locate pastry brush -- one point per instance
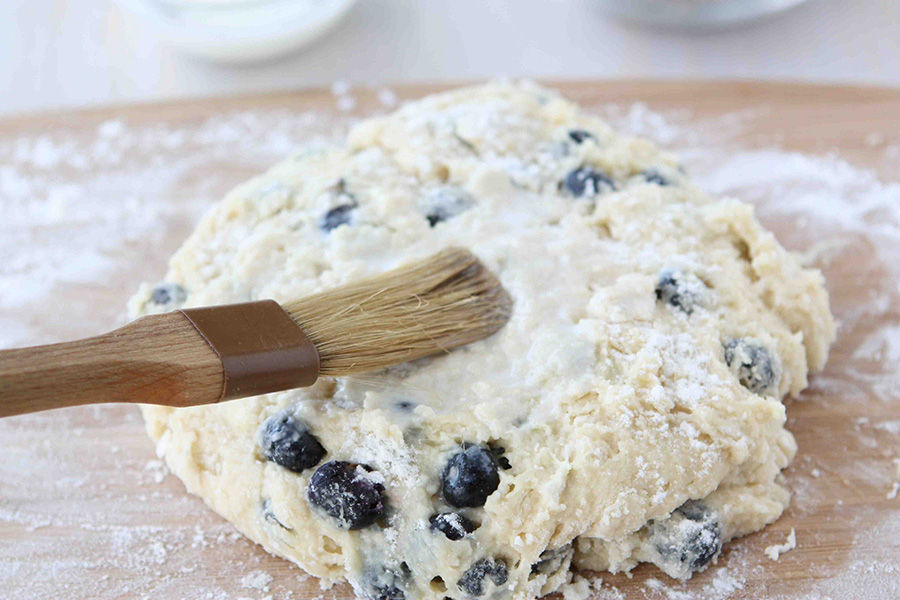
(198, 356)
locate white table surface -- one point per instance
(56, 53)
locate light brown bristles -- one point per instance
(425, 308)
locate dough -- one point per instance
(630, 410)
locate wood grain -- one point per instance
(95, 517)
(159, 359)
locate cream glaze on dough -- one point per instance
(631, 408)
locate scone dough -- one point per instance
(630, 410)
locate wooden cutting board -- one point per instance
(86, 510)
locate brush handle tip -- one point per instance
(184, 358)
(159, 359)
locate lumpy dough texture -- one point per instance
(629, 411)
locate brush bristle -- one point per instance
(425, 308)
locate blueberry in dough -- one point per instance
(445, 202)
(453, 525)
(165, 294)
(535, 388)
(470, 476)
(579, 135)
(502, 461)
(688, 539)
(551, 560)
(337, 216)
(587, 182)
(655, 177)
(473, 580)
(705, 543)
(387, 592)
(287, 441)
(681, 290)
(384, 583)
(695, 510)
(751, 363)
(343, 491)
(269, 515)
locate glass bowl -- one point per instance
(239, 31)
(695, 13)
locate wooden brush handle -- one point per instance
(184, 358)
(160, 359)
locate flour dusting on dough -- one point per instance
(632, 404)
(151, 163)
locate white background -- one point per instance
(85, 52)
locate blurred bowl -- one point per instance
(695, 13)
(239, 31)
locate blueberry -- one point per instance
(445, 202)
(387, 592)
(751, 363)
(579, 135)
(337, 216)
(695, 510)
(588, 182)
(453, 525)
(688, 539)
(383, 583)
(473, 580)
(405, 406)
(470, 476)
(681, 290)
(654, 176)
(343, 491)
(287, 441)
(552, 560)
(269, 515)
(168, 293)
(498, 452)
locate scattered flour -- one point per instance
(776, 550)
(723, 584)
(157, 470)
(344, 101)
(92, 208)
(892, 427)
(387, 98)
(87, 206)
(340, 88)
(257, 580)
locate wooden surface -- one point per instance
(86, 511)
